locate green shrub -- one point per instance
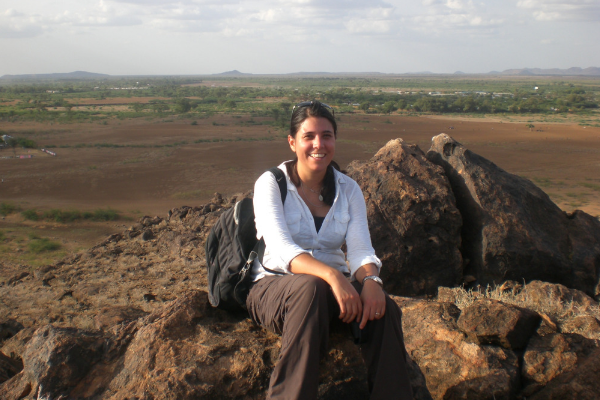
(105, 215)
(39, 245)
(31, 215)
(26, 143)
(7, 208)
(62, 215)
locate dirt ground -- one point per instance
(153, 171)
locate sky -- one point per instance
(188, 37)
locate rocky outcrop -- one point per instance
(511, 228)
(184, 350)
(414, 223)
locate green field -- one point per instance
(99, 101)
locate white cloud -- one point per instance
(447, 16)
(17, 25)
(275, 35)
(562, 10)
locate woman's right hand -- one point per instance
(347, 297)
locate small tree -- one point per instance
(365, 107)
(137, 107)
(389, 107)
(183, 105)
(530, 126)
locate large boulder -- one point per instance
(511, 228)
(584, 232)
(454, 367)
(414, 223)
(54, 362)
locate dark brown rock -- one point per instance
(495, 386)
(17, 278)
(584, 231)
(493, 322)
(414, 223)
(581, 383)
(9, 367)
(547, 357)
(454, 367)
(511, 228)
(57, 358)
(15, 346)
(9, 328)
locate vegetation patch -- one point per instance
(64, 216)
(8, 208)
(592, 186)
(553, 306)
(39, 245)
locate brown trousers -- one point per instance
(300, 309)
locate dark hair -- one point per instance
(300, 114)
(314, 109)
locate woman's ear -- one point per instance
(292, 143)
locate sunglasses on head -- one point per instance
(310, 103)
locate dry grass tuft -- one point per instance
(553, 306)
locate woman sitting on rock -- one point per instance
(306, 281)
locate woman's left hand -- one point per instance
(373, 301)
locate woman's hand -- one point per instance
(343, 291)
(373, 302)
(351, 307)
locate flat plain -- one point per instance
(149, 165)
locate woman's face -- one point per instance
(314, 145)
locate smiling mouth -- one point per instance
(317, 155)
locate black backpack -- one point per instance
(231, 249)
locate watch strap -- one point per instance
(372, 278)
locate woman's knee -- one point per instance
(309, 290)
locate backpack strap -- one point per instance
(282, 182)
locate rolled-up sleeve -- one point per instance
(358, 238)
(271, 223)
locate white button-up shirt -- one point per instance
(289, 229)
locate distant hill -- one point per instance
(235, 72)
(575, 71)
(67, 75)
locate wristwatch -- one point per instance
(372, 278)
